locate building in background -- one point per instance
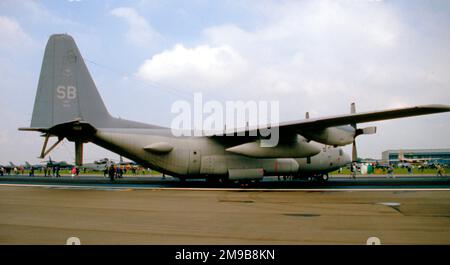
(428, 156)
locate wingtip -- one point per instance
(440, 107)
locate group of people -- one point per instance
(47, 171)
(5, 171)
(114, 171)
(15, 171)
(52, 171)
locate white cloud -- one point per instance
(306, 52)
(13, 35)
(194, 68)
(140, 32)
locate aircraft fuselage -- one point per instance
(199, 157)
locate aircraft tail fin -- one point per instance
(66, 91)
(67, 95)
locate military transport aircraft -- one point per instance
(68, 105)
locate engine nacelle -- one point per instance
(336, 136)
(299, 148)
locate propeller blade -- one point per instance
(353, 111)
(367, 130)
(354, 152)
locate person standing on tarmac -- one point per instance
(119, 172)
(111, 172)
(353, 169)
(57, 172)
(74, 171)
(440, 171)
(390, 171)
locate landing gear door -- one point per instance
(194, 162)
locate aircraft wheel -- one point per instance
(325, 177)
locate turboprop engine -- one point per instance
(340, 135)
(335, 136)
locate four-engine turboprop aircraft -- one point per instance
(68, 105)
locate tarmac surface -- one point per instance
(152, 210)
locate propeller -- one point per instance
(367, 130)
(354, 150)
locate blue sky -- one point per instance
(315, 56)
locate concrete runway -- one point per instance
(98, 213)
(157, 181)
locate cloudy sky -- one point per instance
(315, 56)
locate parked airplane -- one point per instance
(68, 105)
(98, 165)
(28, 166)
(61, 164)
(12, 165)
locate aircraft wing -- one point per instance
(325, 122)
(362, 117)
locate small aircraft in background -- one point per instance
(61, 164)
(28, 166)
(98, 165)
